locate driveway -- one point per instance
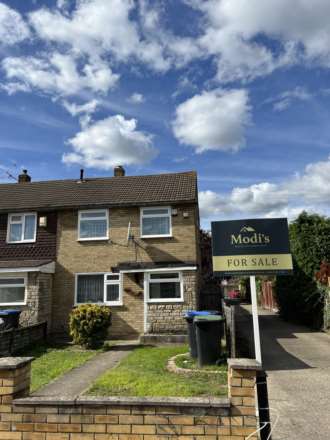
(297, 361)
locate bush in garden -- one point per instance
(89, 324)
(299, 296)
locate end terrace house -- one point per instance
(128, 242)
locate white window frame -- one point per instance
(23, 215)
(15, 275)
(105, 283)
(164, 280)
(143, 215)
(85, 211)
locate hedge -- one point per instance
(299, 297)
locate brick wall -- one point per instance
(100, 256)
(33, 418)
(168, 317)
(14, 340)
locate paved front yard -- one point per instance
(143, 373)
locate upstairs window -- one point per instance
(93, 225)
(165, 287)
(12, 290)
(98, 288)
(156, 222)
(22, 228)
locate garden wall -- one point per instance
(123, 418)
(14, 340)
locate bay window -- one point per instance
(156, 222)
(12, 289)
(93, 225)
(165, 287)
(22, 228)
(102, 288)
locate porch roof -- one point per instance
(47, 266)
(153, 266)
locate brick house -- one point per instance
(129, 242)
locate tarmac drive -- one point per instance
(297, 361)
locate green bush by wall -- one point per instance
(299, 297)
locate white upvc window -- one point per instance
(99, 288)
(13, 289)
(22, 227)
(165, 287)
(156, 222)
(93, 224)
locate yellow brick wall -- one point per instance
(100, 256)
(101, 419)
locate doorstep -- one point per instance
(163, 338)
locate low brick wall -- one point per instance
(115, 418)
(14, 340)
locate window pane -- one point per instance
(155, 211)
(15, 232)
(30, 223)
(93, 228)
(112, 277)
(164, 290)
(7, 281)
(12, 294)
(112, 292)
(90, 288)
(155, 225)
(16, 218)
(164, 275)
(90, 214)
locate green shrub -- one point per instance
(89, 324)
(299, 297)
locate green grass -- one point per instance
(52, 362)
(191, 364)
(143, 373)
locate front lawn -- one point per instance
(52, 362)
(143, 373)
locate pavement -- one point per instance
(297, 361)
(79, 380)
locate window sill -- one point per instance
(12, 304)
(157, 236)
(94, 239)
(109, 304)
(21, 242)
(169, 300)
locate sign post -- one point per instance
(251, 247)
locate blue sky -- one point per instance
(238, 91)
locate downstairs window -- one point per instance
(99, 288)
(12, 290)
(165, 287)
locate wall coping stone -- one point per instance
(124, 401)
(12, 363)
(244, 364)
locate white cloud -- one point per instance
(136, 98)
(239, 34)
(75, 109)
(310, 191)
(285, 99)
(214, 120)
(13, 29)
(109, 142)
(59, 74)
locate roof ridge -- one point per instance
(88, 179)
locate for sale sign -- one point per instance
(251, 247)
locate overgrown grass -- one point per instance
(143, 373)
(52, 362)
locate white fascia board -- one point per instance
(46, 268)
(162, 269)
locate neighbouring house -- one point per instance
(129, 242)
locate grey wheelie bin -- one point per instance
(209, 330)
(189, 317)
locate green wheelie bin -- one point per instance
(209, 330)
